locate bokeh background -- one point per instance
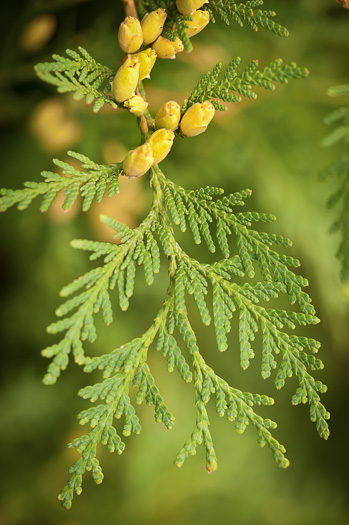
(272, 145)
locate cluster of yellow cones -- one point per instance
(137, 65)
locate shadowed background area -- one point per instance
(271, 145)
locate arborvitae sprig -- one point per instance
(136, 246)
(237, 406)
(240, 12)
(263, 273)
(79, 74)
(229, 297)
(122, 368)
(90, 184)
(340, 169)
(286, 354)
(210, 87)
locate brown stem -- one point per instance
(130, 8)
(144, 126)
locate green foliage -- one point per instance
(340, 169)
(250, 272)
(209, 87)
(205, 210)
(91, 184)
(127, 365)
(240, 12)
(79, 74)
(137, 246)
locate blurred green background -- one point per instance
(271, 145)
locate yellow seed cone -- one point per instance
(165, 48)
(138, 161)
(152, 25)
(161, 142)
(146, 62)
(187, 7)
(199, 22)
(168, 116)
(130, 35)
(196, 119)
(136, 105)
(126, 79)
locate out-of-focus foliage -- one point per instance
(339, 121)
(271, 146)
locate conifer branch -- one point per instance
(79, 74)
(240, 12)
(122, 368)
(230, 402)
(136, 246)
(264, 273)
(209, 87)
(285, 353)
(90, 184)
(192, 277)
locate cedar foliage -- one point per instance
(239, 285)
